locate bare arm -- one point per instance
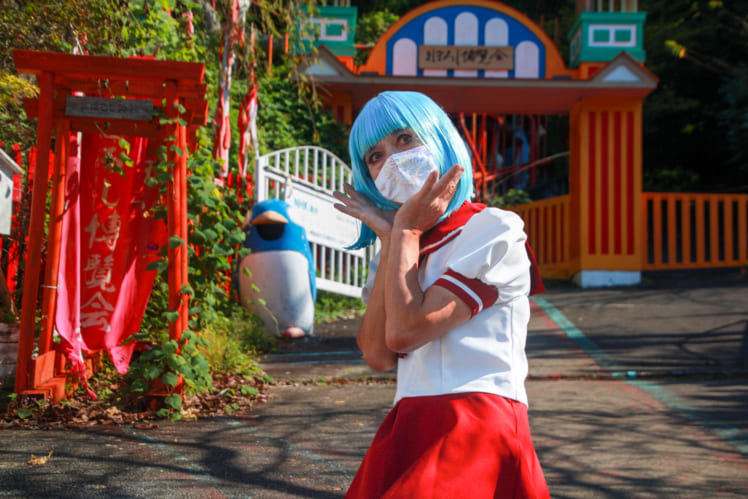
(415, 316)
(371, 333)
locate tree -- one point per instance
(181, 30)
(696, 121)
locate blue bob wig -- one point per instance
(395, 110)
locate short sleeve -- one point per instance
(488, 261)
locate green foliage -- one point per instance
(159, 28)
(230, 342)
(289, 114)
(695, 122)
(369, 27)
(163, 364)
(512, 197)
(330, 307)
(49, 26)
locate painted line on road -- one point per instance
(600, 357)
(728, 433)
(312, 354)
(297, 362)
(305, 358)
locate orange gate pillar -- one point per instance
(605, 184)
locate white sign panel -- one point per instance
(8, 168)
(323, 223)
(6, 204)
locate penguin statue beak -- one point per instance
(269, 217)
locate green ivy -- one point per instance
(163, 363)
(290, 114)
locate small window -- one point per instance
(335, 30)
(601, 36)
(622, 36)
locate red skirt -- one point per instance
(465, 445)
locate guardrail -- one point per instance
(686, 230)
(548, 225)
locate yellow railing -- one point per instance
(547, 223)
(684, 230)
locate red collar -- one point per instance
(449, 228)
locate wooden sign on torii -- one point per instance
(125, 97)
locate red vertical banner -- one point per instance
(231, 36)
(247, 122)
(109, 238)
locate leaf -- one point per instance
(175, 362)
(174, 401)
(153, 372)
(198, 236)
(24, 412)
(175, 242)
(170, 378)
(124, 144)
(158, 265)
(38, 461)
(210, 234)
(250, 391)
(171, 316)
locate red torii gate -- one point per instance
(177, 89)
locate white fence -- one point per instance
(306, 177)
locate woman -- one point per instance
(447, 303)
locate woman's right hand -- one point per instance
(424, 208)
(359, 206)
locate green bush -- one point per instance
(231, 344)
(512, 197)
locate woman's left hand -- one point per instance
(359, 206)
(421, 212)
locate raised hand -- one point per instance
(423, 209)
(359, 206)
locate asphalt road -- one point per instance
(634, 392)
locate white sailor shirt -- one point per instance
(479, 254)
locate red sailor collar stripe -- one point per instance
(449, 228)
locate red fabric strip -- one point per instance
(483, 295)
(449, 228)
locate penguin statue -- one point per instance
(279, 283)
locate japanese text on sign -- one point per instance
(465, 57)
(101, 107)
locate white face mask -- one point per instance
(404, 173)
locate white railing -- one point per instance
(306, 177)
